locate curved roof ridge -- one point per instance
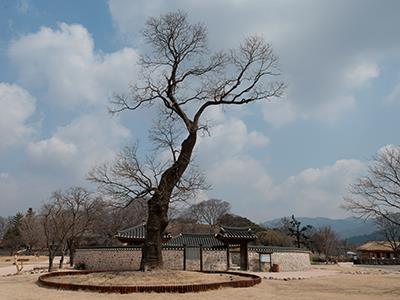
(235, 228)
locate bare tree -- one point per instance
(51, 217)
(326, 241)
(31, 231)
(300, 233)
(208, 211)
(182, 78)
(109, 219)
(391, 231)
(274, 237)
(80, 206)
(65, 219)
(377, 195)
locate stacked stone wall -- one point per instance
(287, 261)
(127, 258)
(173, 259)
(214, 260)
(117, 259)
(291, 261)
(110, 259)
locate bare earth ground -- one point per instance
(337, 282)
(9, 260)
(7, 267)
(141, 278)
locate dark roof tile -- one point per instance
(195, 240)
(236, 234)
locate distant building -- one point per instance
(228, 249)
(376, 250)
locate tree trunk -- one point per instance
(158, 205)
(51, 258)
(157, 221)
(71, 250)
(62, 259)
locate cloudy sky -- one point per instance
(60, 62)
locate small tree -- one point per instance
(3, 226)
(274, 237)
(299, 233)
(208, 211)
(391, 231)
(31, 231)
(326, 241)
(109, 219)
(377, 195)
(65, 219)
(232, 220)
(12, 235)
(183, 80)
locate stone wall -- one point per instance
(173, 259)
(110, 259)
(214, 260)
(128, 258)
(287, 261)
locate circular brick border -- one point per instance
(250, 280)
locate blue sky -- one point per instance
(61, 61)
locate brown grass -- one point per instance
(9, 260)
(353, 283)
(144, 278)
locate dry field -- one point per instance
(9, 260)
(141, 278)
(347, 283)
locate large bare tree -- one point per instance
(182, 78)
(377, 195)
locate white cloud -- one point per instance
(241, 181)
(52, 147)
(17, 105)
(394, 95)
(229, 138)
(333, 110)
(4, 175)
(316, 191)
(280, 112)
(324, 62)
(78, 146)
(23, 7)
(63, 65)
(313, 192)
(361, 73)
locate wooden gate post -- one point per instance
(184, 257)
(201, 257)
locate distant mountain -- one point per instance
(362, 239)
(345, 228)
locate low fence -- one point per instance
(193, 258)
(174, 258)
(379, 261)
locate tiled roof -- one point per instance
(236, 234)
(135, 233)
(375, 246)
(195, 240)
(272, 249)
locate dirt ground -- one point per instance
(345, 283)
(144, 278)
(9, 260)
